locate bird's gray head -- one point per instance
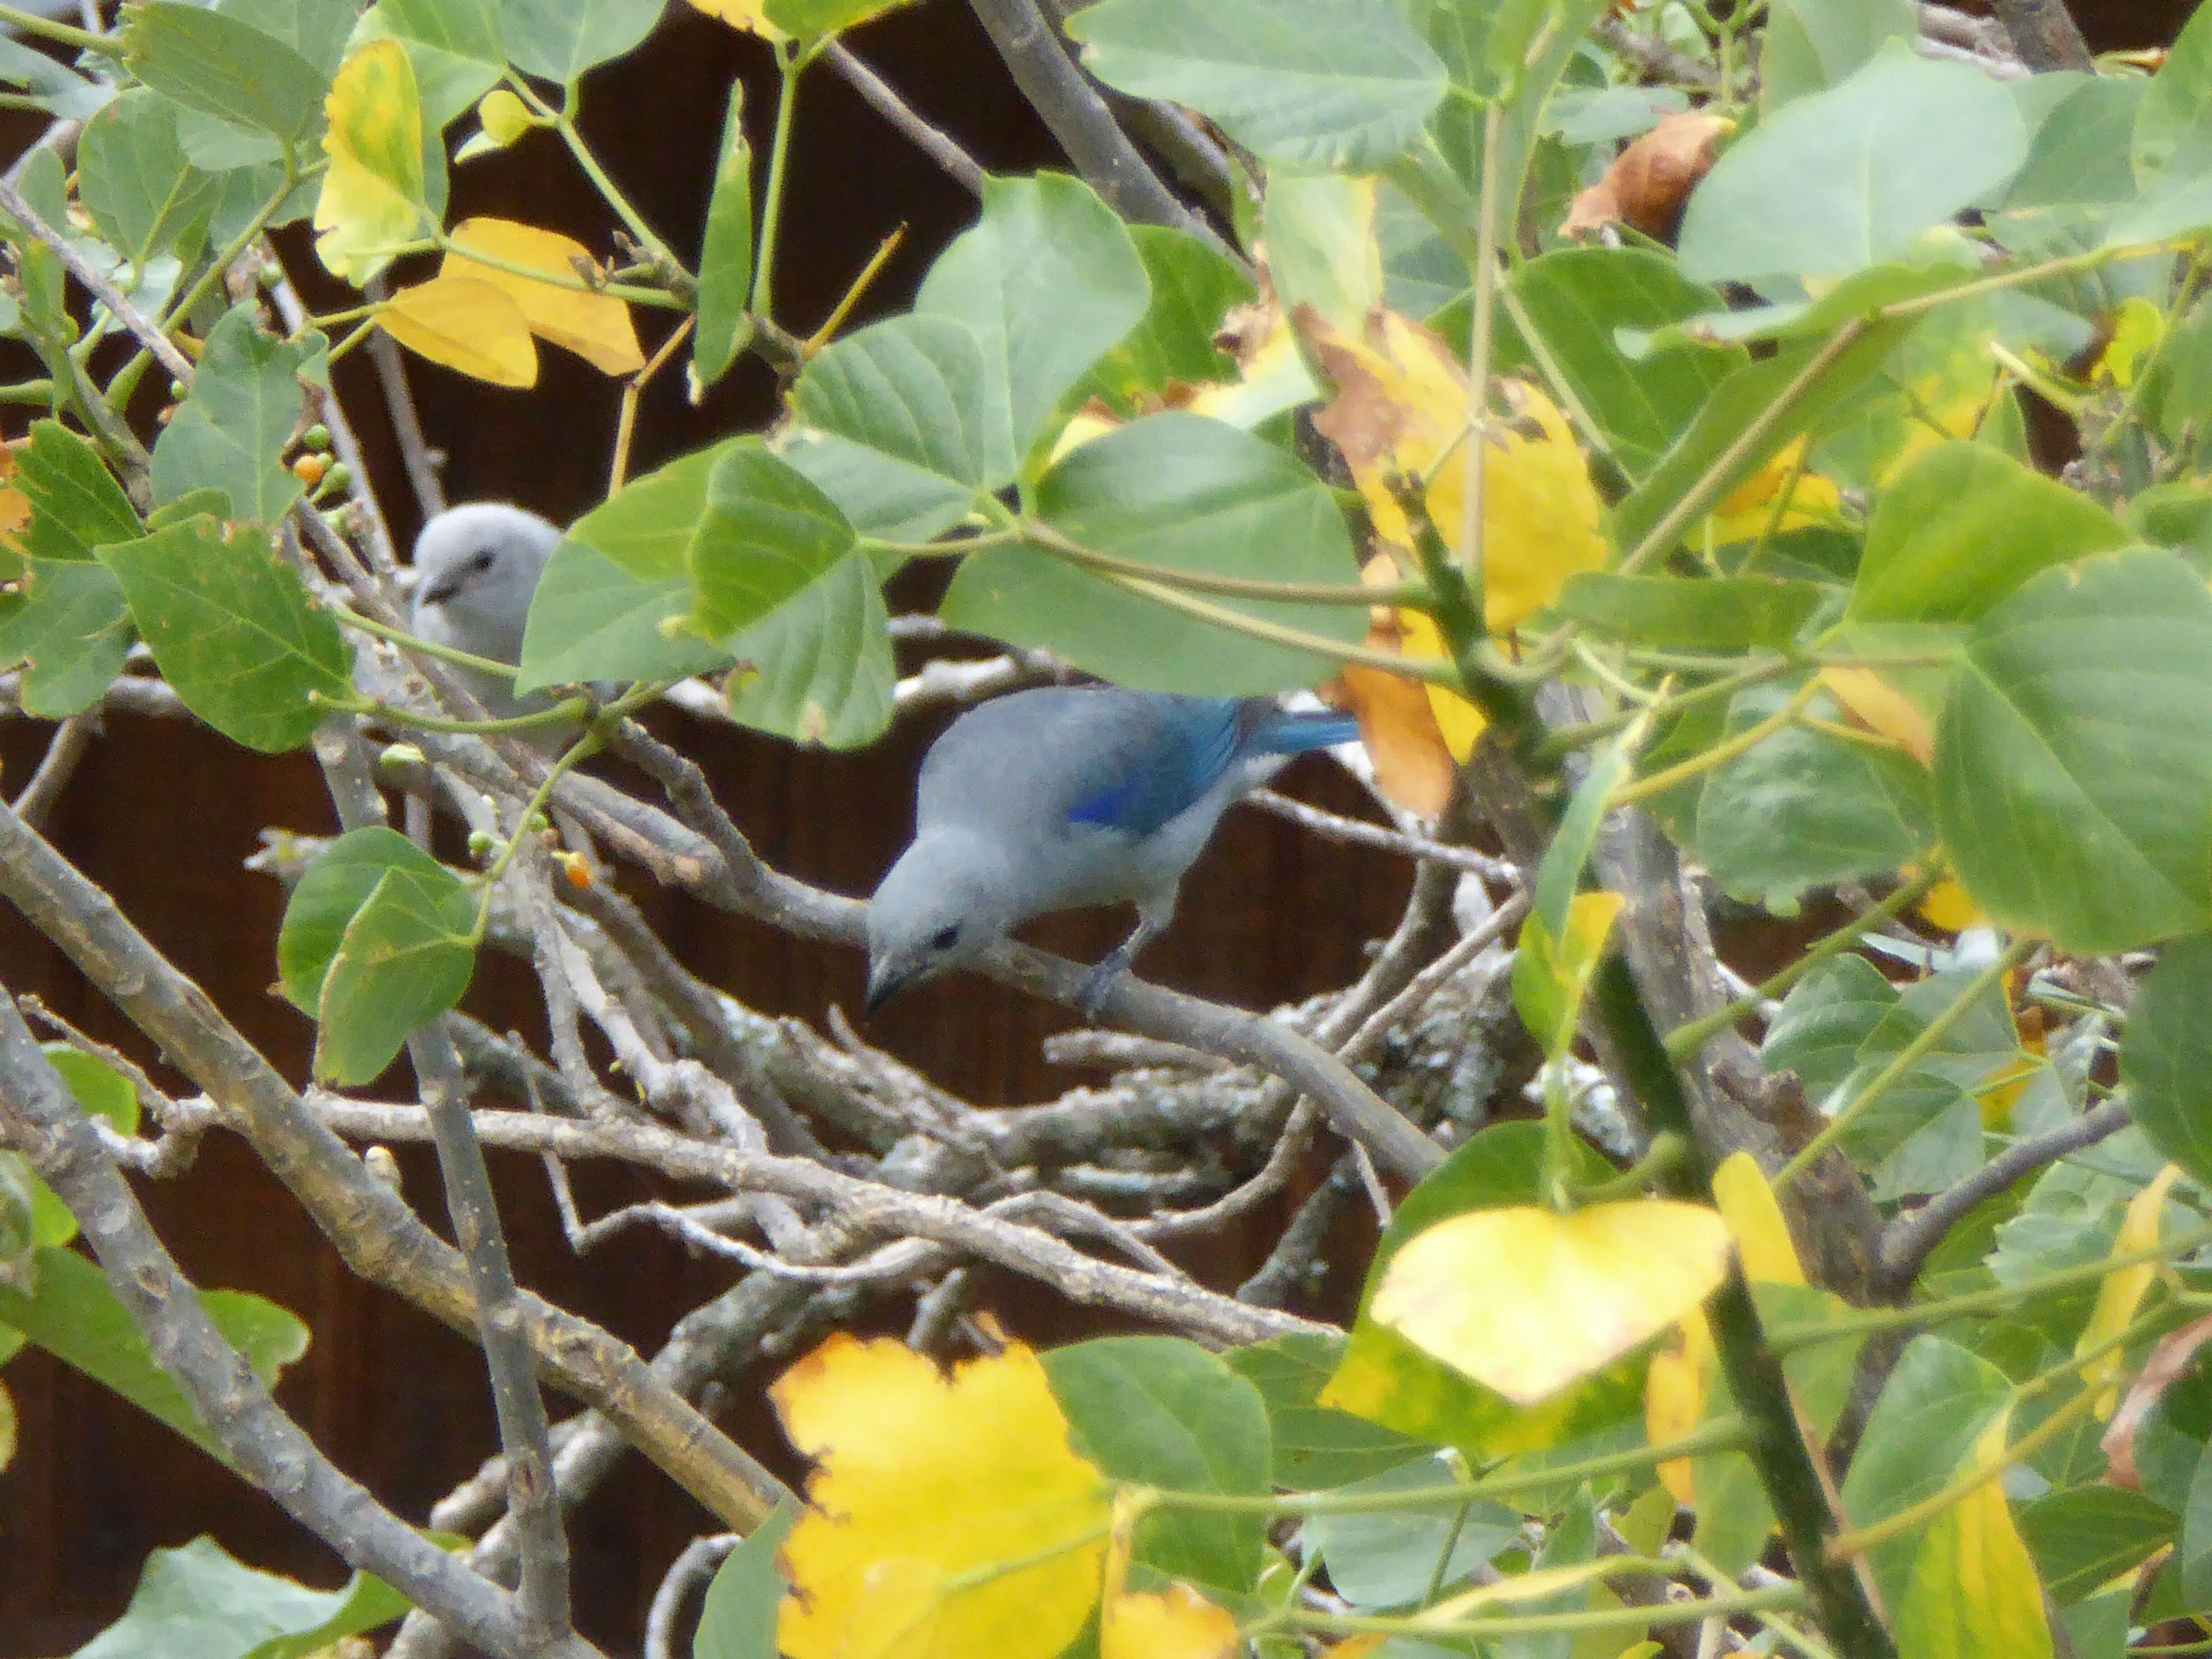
(944, 903)
(477, 567)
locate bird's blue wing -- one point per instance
(1189, 743)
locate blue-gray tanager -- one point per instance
(476, 568)
(1063, 798)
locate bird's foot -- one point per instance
(1098, 984)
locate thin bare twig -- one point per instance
(882, 97)
(684, 1578)
(1335, 826)
(71, 740)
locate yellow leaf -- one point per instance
(372, 194)
(2135, 327)
(1676, 1389)
(1459, 721)
(926, 1486)
(1179, 1624)
(466, 324)
(1949, 908)
(1397, 726)
(2123, 1290)
(597, 327)
(1402, 402)
(749, 16)
(504, 117)
(1359, 1647)
(1883, 710)
(1974, 1593)
(1525, 1301)
(7, 1426)
(1754, 1215)
(1744, 513)
(1093, 420)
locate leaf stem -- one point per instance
(843, 308)
(506, 671)
(1685, 1040)
(626, 418)
(62, 35)
(1485, 276)
(572, 709)
(1722, 1435)
(1428, 672)
(787, 71)
(1048, 540)
(1720, 754)
(659, 297)
(564, 121)
(1782, 1598)
(1904, 1060)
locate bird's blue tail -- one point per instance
(1286, 733)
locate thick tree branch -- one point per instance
(236, 1408)
(2044, 34)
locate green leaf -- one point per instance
(1804, 809)
(1922, 1433)
(562, 39)
(1322, 252)
(74, 1315)
(405, 958)
(907, 396)
(1314, 1448)
(1733, 405)
(230, 432)
(1164, 1412)
(223, 66)
(1825, 1018)
(1578, 300)
(231, 629)
(1339, 84)
(454, 45)
(316, 29)
(197, 1602)
(70, 623)
(590, 619)
(1811, 44)
(1047, 280)
(810, 20)
(1183, 493)
(1962, 527)
(737, 1619)
(133, 180)
(1844, 179)
(1194, 286)
(2079, 155)
(75, 503)
(726, 253)
(58, 90)
(98, 1091)
(1387, 1558)
(2084, 1538)
(333, 890)
(820, 669)
(880, 496)
(2173, 123)
(765, 534)
(1714, 613)
(2074, 757)
(2167, 1057)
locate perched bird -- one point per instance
(476, 568)
(1063, 798)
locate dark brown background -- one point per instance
(162, 815)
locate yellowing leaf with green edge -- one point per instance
(466, 324)
(1754, 1215)
(1400, 403)
(372, 194)
(1746, 513)
(1973, 1593)
(748, 16)
(597, 327)
(1676, 1390)
(2135, 329)
(1551, 975)
(947, 1515)
(1505, 1592)
(2122, 1291)
(1459, 722)
(1180, 1623)
(504, 117)
(1525, 1301)
(1882, 709)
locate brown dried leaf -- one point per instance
(1412, 766)
(2173, 1355)
(1649, 182)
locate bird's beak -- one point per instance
(884, 982)
(441, 590)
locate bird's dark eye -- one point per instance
(944, 939)
(482, 561)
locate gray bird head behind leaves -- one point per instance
(475, 569)
(1063, 798)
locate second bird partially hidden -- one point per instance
(1063, 798)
